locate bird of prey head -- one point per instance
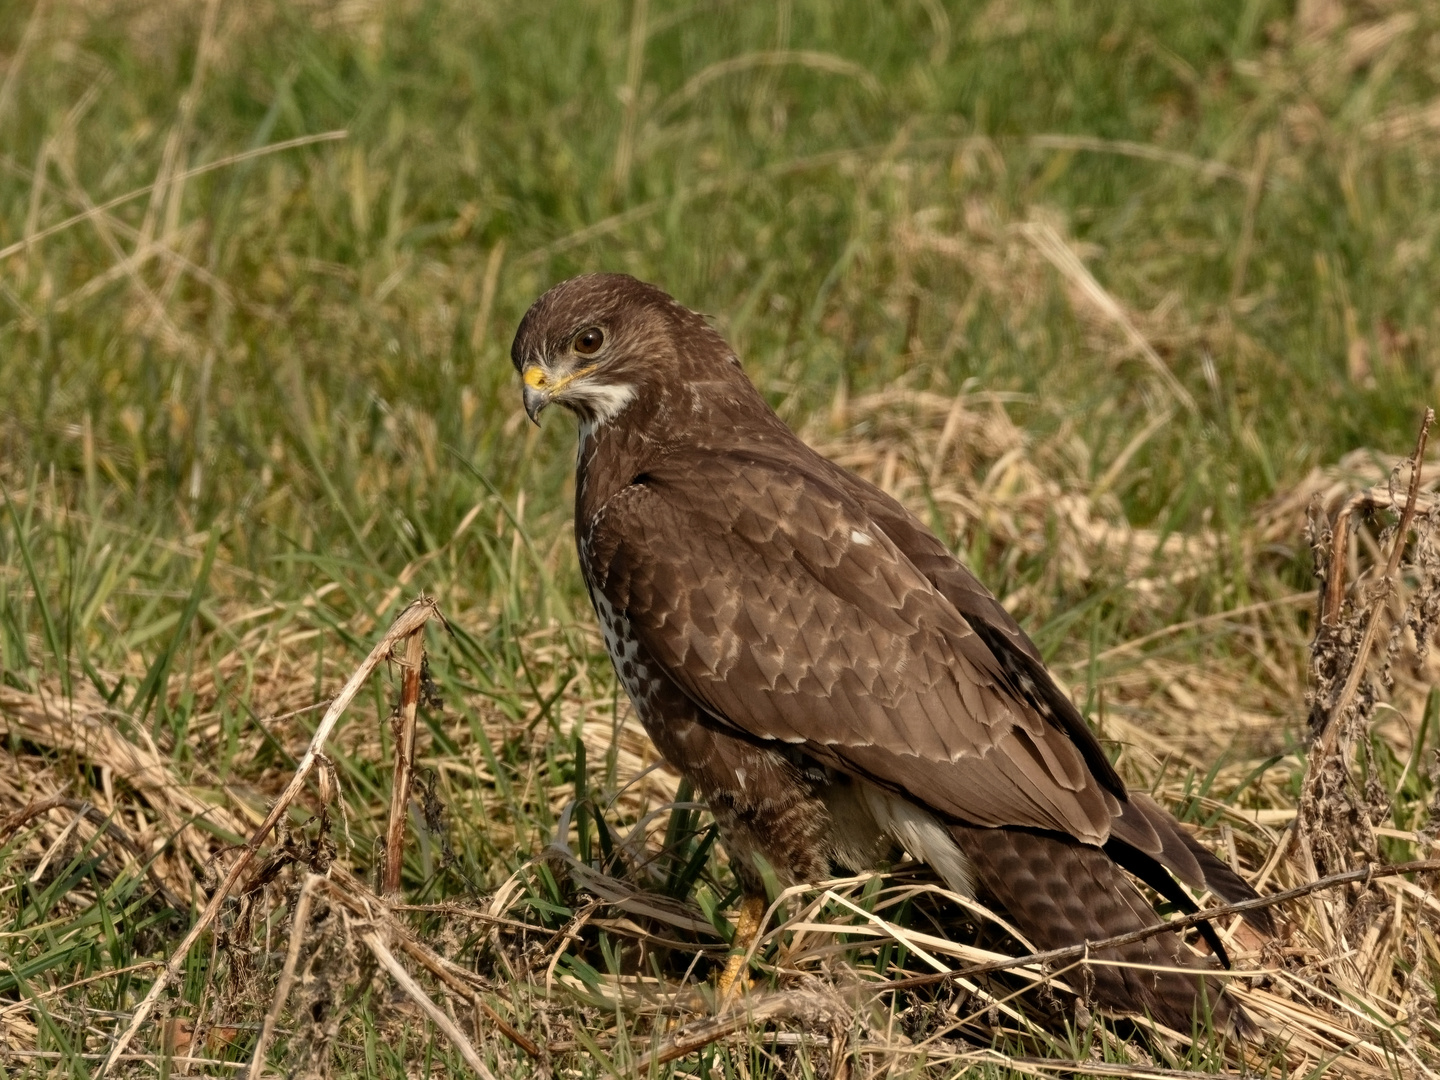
(590, 345)
(598, 342)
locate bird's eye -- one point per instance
(588, 342)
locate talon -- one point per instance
(747, 929)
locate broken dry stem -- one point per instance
(354, 896)
(404, 729)
(287, 975)
(791, 1004)
(376, 943)
(412, 619)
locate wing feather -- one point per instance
(744, 580)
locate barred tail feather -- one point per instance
(1060, 892)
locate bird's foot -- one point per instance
(733, 981)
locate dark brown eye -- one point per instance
(588, 342)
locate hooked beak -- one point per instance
(541, 389)
(535, 394)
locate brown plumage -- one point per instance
(830, 678)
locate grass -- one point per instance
(1106, 292)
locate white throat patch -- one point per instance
(605, 401)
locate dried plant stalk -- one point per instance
(350, 892)
(1335, 823)
(1335, 586)
(403, 725)
(287, 976)
(816, 1008)
(408, 622)
(417, 994)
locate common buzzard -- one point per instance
(832, 681)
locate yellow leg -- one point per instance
(747, 927)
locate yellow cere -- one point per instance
(536, 379)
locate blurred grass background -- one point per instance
(262, 397)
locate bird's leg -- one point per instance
(747, 928)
